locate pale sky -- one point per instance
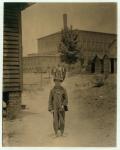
(43, 19)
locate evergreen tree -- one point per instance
(68, 48)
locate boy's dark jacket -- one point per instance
(57, 98)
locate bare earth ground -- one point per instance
(90, 121)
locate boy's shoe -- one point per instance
(56, 134)
(61, 133)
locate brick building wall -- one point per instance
(91, 44)
(40, 63)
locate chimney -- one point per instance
(65, 21)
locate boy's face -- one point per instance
(57, 82)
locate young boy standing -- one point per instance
(58, 101)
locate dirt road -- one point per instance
(88, 123)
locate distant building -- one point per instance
(96, 48)
(40, 63)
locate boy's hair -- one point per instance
(58, 74)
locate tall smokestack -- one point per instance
(65, 21)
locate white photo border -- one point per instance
(118, 73)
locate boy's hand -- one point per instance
(62, 108)
(52, 111)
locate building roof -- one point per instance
(113, 49)
(77, 30)
(17, 5)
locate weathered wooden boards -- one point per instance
(12, 79)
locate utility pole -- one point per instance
(41, 76)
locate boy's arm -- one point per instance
(65, 98)
(50, 103)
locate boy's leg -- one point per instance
(55, 122)
(62, 121)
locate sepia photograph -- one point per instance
(59, 74)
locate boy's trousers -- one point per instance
(59, 121)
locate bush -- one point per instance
(100, 80)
